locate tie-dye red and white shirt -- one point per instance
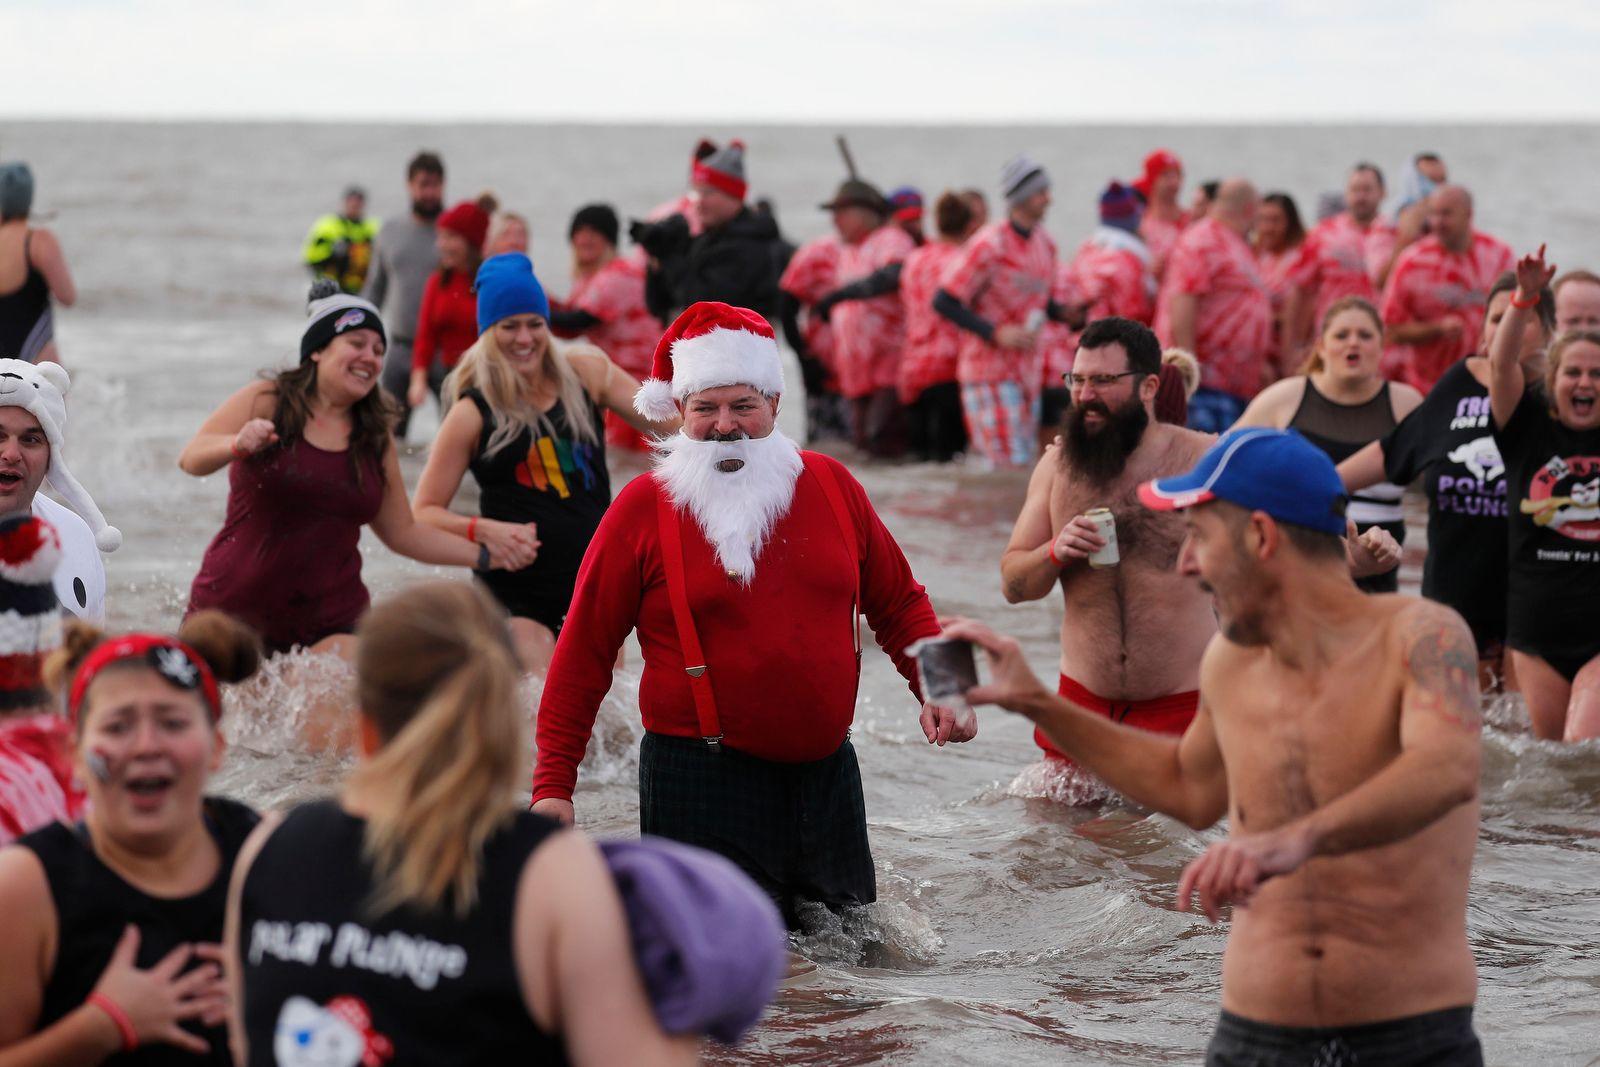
(627, 333)
(1233, 319)
(1161, 237)
(1430, 283)
(1342, 258)
(932, 341)
(868, 333)
(1111, 273)
(1004, 277)
(813, 273)
(36, 780)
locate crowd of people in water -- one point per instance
(1227, 649)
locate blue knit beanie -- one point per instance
(506, 286)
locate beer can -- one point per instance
(1106, 525)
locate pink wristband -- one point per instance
(119, 1019)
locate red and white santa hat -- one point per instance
(707, 346)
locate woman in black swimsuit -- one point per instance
(525, 416)
(32, 271)
(1550, 443)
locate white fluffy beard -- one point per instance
(736, 510)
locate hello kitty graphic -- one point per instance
(1481, 456)
(337, 1035)
(1564, 496)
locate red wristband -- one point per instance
(238, 453)
(1520, 305)
(119, 1019)
(472, 529)
(1053, 559)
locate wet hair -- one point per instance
(230, 648)
(1370, 168)
(1314, 362)
(370, 417)
(436, 677)
(1558, 351)
(425, 163)
(952, 214)
(1546, 309)
(1136, 339)
(1295, 230)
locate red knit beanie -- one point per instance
(469, 220)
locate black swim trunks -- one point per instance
(798, 829)
(1435, 1039)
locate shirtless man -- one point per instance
(1133, 634)
(1339, 733)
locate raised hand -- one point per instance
(1533, 275)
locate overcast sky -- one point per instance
(1012, 61)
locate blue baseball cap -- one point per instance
(1275, 471)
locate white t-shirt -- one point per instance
(80, 580)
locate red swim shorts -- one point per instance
(1170, 714)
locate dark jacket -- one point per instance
(733, 263)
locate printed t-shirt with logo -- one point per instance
(1233, 317)
(1339, 258)
(1553, 494)
(932, 341)
(1448, 442)
(868, 334)
(1004, 277)
(1430, 283)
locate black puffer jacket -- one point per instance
(733, 263)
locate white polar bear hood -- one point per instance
(40, 389)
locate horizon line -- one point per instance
(852, 123)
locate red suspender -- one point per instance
(694, 658)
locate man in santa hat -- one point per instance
(743, 563)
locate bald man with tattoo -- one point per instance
(1339, 734)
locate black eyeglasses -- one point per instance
(1099, 381)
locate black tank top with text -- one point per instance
(327, 983)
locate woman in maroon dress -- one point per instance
(311, 462)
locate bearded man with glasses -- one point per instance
(1134, 632)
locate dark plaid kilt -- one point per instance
(798, 829)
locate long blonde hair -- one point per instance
(485, 368)
(437, 677)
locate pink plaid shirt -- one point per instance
(1431, 283)
(1233, 322)
(1004, 277)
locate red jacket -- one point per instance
(780, 652)
(448, 322)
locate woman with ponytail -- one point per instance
(525, 416)
(424, 916)
(112, 948)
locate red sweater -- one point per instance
(780, 652)
(448, 322)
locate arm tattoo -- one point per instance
(1443, 664)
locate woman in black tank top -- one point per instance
(27, 321)
(525, 417)
(1342, 403)
(111, 952)
(415, 919)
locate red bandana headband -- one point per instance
(181, 666)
